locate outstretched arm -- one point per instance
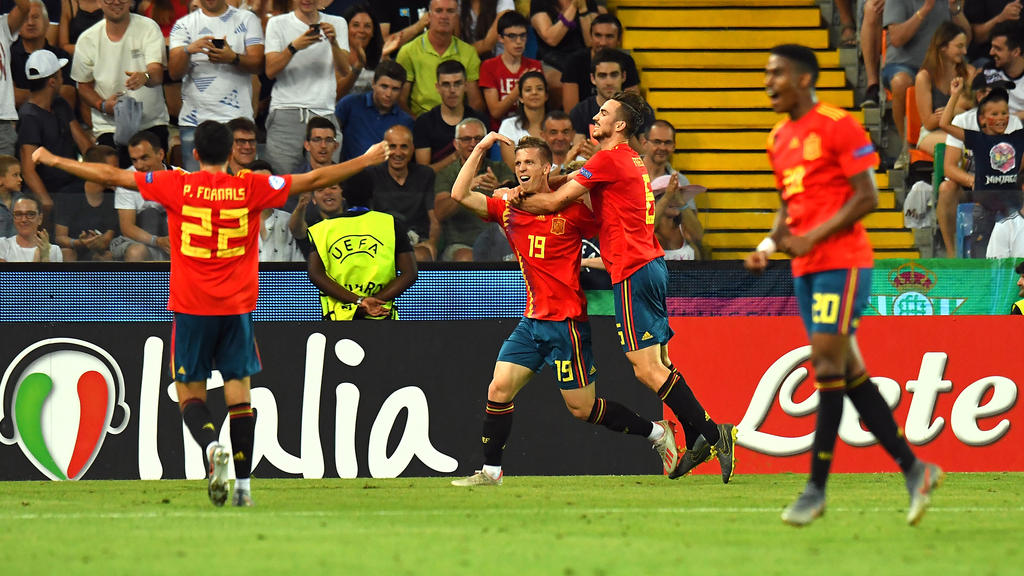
(330, 175)
(474, 201)
(92, 171)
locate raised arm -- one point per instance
(946, 122)
(330, 175)
(462, 193)
(92, 171)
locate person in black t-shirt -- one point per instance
(997, 160)
(86, 221)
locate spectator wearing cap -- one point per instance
(958, 165)
(32, 38)
(214, 51)
(47, 120)
(122, 55)
(10, 23)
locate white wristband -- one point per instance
(767, 246)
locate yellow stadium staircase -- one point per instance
(702, 68)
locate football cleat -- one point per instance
(699, 454)
(725, 450)
(666, 447)
(218, 476)
(241, 499)
(922, 478)
(480, 478)
(810, 505)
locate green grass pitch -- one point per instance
(601, 525)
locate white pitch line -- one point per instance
(463, 512)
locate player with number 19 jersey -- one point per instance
(813, 159)
(214, 224)
(620, 192)
(548, 248)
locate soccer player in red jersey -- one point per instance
(620, 192)
(823, 163)
(213, 218)
(554, 329)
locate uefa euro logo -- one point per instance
(59, 400)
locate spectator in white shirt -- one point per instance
(305, 49)
(214, 51)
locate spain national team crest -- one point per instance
(812, 147)
(558, 225)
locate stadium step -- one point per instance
(702, 69)
(721, 17)
(706, 79)
(743, 99)
(651, 59)
(674, 38)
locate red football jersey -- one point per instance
(813, 159)
(548, 248)
(620, 192)
(213, 220)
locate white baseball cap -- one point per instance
(43, 64)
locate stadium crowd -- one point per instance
(302, 85)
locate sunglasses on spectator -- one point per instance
(515, 37)
(245, 141)
(470, 138)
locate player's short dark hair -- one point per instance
(1019, 268)
(319, 122)
(260, 165)
(800, 56)
(391, 69)
(146, 136)
(631, 110)
(527, 142)
(450, 67)
(659, 122)
(241, 124)
(556, 114)
(357, 192)
(511, 19)
(1009, 30)
(213, 142)
(607, 19)
(605, 55)
(99, 153)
